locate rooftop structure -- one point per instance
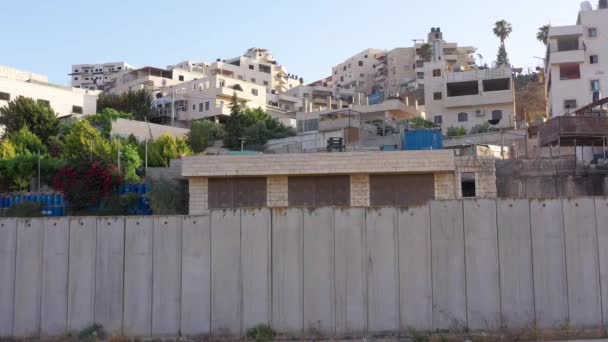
(95, 76)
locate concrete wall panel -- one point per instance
(196, 275)
(54, 297)
(287, 293)
(167, 275)
(550, 291)
(8, 248)
(584, 299)
(515, 255)
(109, 273)
(226, 310)
(601, 215)
(28, 277)
(416, 293)
(382, 270)
(481, 253)
(350, 271)
(448, 260)
(139, 244)
(319, 299)
(81, 282)
(255, 265)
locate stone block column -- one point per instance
(445, 186)
(277, 191)
(359, 190)
(198, 188)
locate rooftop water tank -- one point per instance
(586, 6)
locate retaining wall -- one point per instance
(478, 264)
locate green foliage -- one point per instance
(7, 149)
(26, 112)
(26, 142)
(25, 209)
(456, 131)
(20, 170)
(426, 52)
(502, 58)
(55, 146)
(92, 333)
(502, 29)
(234, 125)
(116, 205)
(169, 198)
(165, 148)
(135, 102)
(83, 142)
(130, 161)
(543, 34)
(202, 133)
(419, 122)
(481, 128)
(261, 333)
(103, 120)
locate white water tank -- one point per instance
(586, 6)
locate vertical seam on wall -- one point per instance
(430, 245)
(269, 262)
(94, 267)
(301, 231)
(398, 268)
(240, 278)
(365, 263)
(151, 299)
(67, 283)
(499, 268)
(41, 281)
(180, 229)
(532, 261)
(597, 254)
(124, 268)
(333, 268)
(210, 294)
(15, 274)
(565, 259)
(464, 250)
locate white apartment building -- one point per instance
(65, 101)
(95, 76)
(577, 60)
(149, 78)
(455, 98)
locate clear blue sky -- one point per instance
(308, 37)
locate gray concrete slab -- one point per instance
(350, 271)
(109, 271)
(319, 296)
(226, 296)
(601, 215)
(54, 296)
(481, 254)
(139, 245)
(287, 293)
(584, 298)
(196, 276)
(167, 276)
(81, 281)
(8, 248)
(382, 270)
(416, 292)
(28, 278)
(550, 291)
(515, 255)
(448, 260)
(255, 266)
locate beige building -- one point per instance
(350, 179)
(577, 60)
(65, 101)
(95, 76)
(467, 98)
(149, 78)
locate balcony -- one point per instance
(572, 30)
(450, 57)
(572, 56)
(487, 98)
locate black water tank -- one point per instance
(603, 4)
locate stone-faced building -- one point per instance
(349, 179)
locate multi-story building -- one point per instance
(65, 101)
(577, 60)
(357, 72)
(95, 76)
(468, 98)
(149, 78)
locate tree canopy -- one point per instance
(22, 112)
(543, 34)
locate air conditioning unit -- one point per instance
(480, 112)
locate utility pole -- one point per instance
(118, 154)
(146, 158)
(38, 171)
(242, 143)
(172, 106)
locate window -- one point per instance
(200, 107)
(222, 83)
(569, 71)
(119, 68)
(419, 63)
(436, 72)
(497, 84)
(592, 32)
(254, 92)
(438, 119)
(420, 75)
(240, 77)
(76, 109)
(181, 78)
(75, 70)
(44, 102)
(361, 75)
(467, 184)
(567, 43)
(569, 104)
(252, 80)
(463, 88)
(75, 78)
(437, 96)
(463, 117)
(595, 85)
(497, 115)
(251, 67)
(265, 83)
(207, 106)
(594, 59)
(193, 107)
(360, 63)
(344, 69)
(86, 78)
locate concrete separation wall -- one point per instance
(457, 264)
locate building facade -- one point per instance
(577, 60)
(65, 101)
(351, 179)
(149, 78)
(95, 76)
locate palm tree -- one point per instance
(502, 30)
(426, 52)
(543, 34)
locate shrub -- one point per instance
(25, 209)
(261, 333)
(456, 131)
(169, 198)
(481, 128)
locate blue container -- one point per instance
(424, 139)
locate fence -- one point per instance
(481, 264)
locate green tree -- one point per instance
(234, 125)
(502, 30)
(456, 131)
(543, 34)
(165, 148)
(26, 142)
(23, 112)
(502, 58)
(103, 120)
(481, 128)
(419, 122)
(202, 133)
(130, 161)
(7, 149)
(84, 142)
(137, 103)
(426, 52)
